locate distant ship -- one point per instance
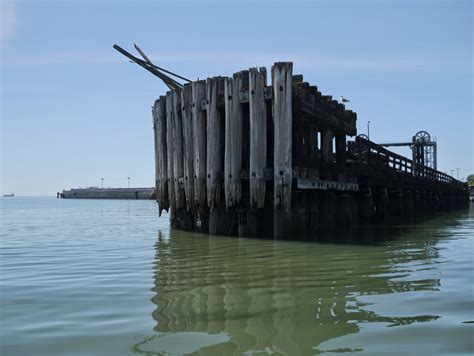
(9, 195)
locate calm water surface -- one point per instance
(109, 277)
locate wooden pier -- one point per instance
(235, 156)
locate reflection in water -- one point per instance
(278, 296)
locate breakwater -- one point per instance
(108, 193)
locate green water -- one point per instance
(109, 278)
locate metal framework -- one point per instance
(423, 148)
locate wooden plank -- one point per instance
(188, 156)
(157, 149)
(283, 119)
(199, 144)
(233, 139)
(178, 150)
(170, 149)
(161, 154)
(258, 136)
(215, 143)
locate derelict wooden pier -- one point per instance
(235, 156)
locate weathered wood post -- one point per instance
(233, 139)
(254, 146)
(187, 115)
(381, 203)
(408, 204)
(170, 154)
(418, 202)
(282, 169)
(215, 126)
(396, 203)
(200, 154)
(366, 205)
(161, 149)
(341, 155)
(258, 136)
(189, 218)
(220, 220)
(178, 165)
(157, 143)
(326, 153)
(344, 210)
(327, 208)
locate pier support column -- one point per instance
(436, 199)
(326, 154)
(299, 221)
(341, 159)
(220, 221)
(366, 205)
(428, 201)
(312, 204)
(381, 203)
(174, 219)
(248, 223)
(327, 208)
(396, 203)
(182, 220)
(281, 224)
(408, 205)
(418, 203)
(344, 210)
(202, 223)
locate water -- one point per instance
(109, 278)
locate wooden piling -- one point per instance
(327, 208)
(344, 210)
(395, 203)
(178, 165)
(233, 139)
(170, 151)
(258, 136)
(381, 203)
(366, 205)
(199, 144)
(283, 173)
(341, 155)
(161, 155)
(326, 153)
(215, 142)
(187, 117)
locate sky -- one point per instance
(73, 110)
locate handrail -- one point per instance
(372, 152)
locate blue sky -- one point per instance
(73, 110)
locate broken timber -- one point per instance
(234, 155)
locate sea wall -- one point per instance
(108, 193)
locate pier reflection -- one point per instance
(281, 297)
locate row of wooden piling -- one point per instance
(235, 156)
(199, 145)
